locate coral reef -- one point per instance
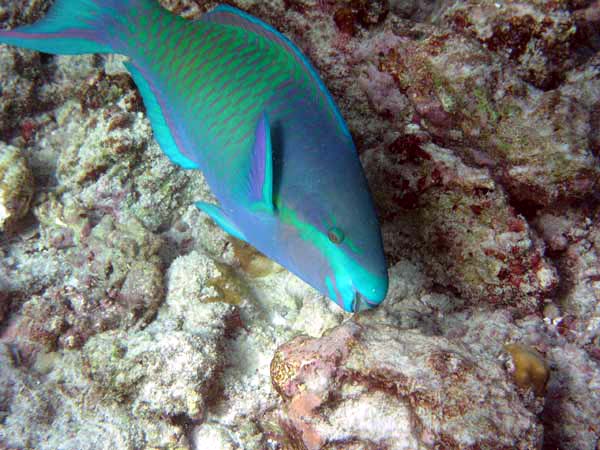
(114, 281)
(51, 406)
(540, 37)
(502, 123)
(16, 187)
(458, 220)
(419, 390)
(129, 320)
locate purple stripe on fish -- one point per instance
(261, 150)
(75, 33)
(167, 116)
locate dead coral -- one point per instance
(540, 37)
(463, 95)
(424, 391)
(16, 187)
(458, 221)
(117, 282)
(350, 14)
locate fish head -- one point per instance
(331, 238)
(310, 209)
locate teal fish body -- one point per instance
(231, 96)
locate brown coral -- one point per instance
(530, 368)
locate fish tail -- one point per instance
(85, 26)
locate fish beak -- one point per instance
(360, 304)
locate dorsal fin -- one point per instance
(228, 15)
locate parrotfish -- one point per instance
(231, 96)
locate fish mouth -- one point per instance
(360, 303)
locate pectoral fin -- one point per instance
(260, 175)
(221, 219)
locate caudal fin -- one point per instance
(81, 26)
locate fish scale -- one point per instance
(221, 100)
(231, 96)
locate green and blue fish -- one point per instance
(231, 96)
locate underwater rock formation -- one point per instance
(543, 39)
(16, 187)
(374, 386)
(50, 405)
(129, 320)
(458, 220)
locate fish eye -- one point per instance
(335, 235)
